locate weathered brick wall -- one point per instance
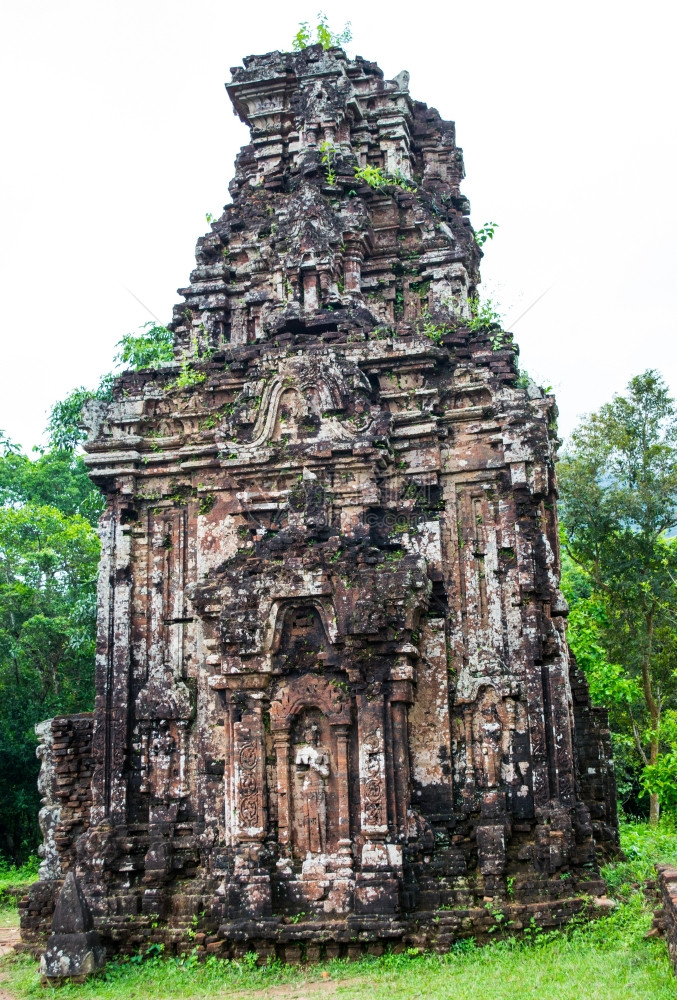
(666, 919)
(72, 748)
(35, 911)
(595, 762)
(65, 783)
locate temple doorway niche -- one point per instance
(303, 642)
(310, 721)
(292, 412)
(314, 800)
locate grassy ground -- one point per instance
(14, 878)
(605, 959)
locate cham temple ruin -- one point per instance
(335, 709)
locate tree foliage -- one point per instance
(618, 483)
(64, 428)
(150, 348)
(56, 478)
(49, 555)
(48, 567)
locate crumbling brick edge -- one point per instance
(665, 919)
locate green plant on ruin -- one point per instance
(524, 380)
(399, 180)
(485, 232)
(373, 176)
(422, 288)
(428, 327)
(324, 36)
(499, 340)
(501, 923)
(395, 556)
(206, 503)
(327, 155)
(187, 377)
(377, 178)
(484, 314)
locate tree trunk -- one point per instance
(654, 712)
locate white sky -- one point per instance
(119, 137)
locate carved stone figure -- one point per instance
(312, 771)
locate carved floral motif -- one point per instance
(306, 691)
(248, 785)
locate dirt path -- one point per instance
(315, 990)
(9, 936)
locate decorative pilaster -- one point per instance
(343, 777)
(250, 776)
(401, 697)
(281, 741)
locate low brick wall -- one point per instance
(72, 751)
(65, 784)
(594, 755)
(666, 918)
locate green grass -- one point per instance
(644, 847)
(13, 877)
(605, 959)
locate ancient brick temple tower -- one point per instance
(333, 688)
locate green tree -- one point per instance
(64, 429)
(56, 478)
(150, 348)
(48, 568)
(618, 484)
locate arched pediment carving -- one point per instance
(309, 691)
(309, 397)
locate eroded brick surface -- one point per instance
(333, 687)
(665, 920)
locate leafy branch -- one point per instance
(324, 36)
(485, 232)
